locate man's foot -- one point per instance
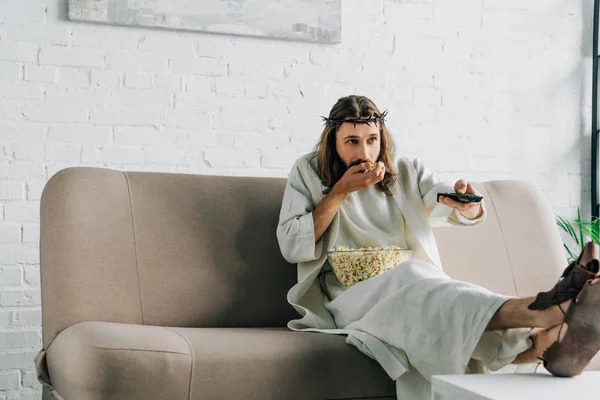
(542, 338)
(573, 279)
(570, 356)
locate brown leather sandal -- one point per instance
(572, 279)
(581, 342)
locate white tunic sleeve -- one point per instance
(295, 230)
(440, 214)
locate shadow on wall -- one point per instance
(578, 81)
(63, 10)
(585, 147)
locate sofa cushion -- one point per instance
(103, 360)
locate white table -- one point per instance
(530, 386)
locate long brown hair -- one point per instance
(330, 166)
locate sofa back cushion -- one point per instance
(162, 249)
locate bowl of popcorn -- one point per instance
(354, 265)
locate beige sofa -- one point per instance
(172, 286)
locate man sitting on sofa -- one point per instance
(353, 191)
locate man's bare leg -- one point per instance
(515, 314)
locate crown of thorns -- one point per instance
(375, 119)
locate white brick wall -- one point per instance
(480, 89)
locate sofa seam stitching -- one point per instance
(120, 349)
(191, 361)
(512, 269)
(137, 268)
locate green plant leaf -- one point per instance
(566, 226)
(590, 229)
(571, 256)
(595, 227)
(582, 243)
(579, 231)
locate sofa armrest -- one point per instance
(87, 251)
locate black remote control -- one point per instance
(463, 198)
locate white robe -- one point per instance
(438, 323)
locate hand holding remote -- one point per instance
(470, 210)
